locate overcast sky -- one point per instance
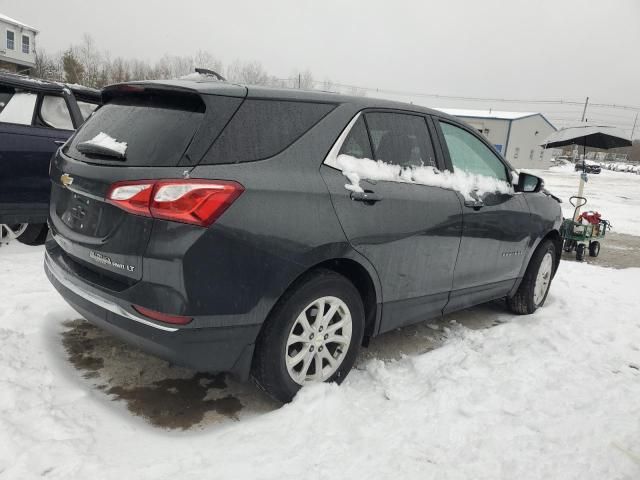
(490, 48)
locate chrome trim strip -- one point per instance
(332, 156)
(101, 302)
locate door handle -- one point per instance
(366, 197)
(59, 142)
(475, 204)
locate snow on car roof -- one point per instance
(16, 22)
(497, 114)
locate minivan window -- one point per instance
(263, 128)
(469, 154)
(55, 113)
(86, 108)
(157, 129)
(357, 143)
(401, 139)
(18, 107)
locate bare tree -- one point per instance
(204, 59)
(252, 73)
(48, 67)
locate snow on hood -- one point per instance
(468, 184)
(103, 140)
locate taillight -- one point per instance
(162, 317)
(199, 202)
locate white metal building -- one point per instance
(517, 135)
(17, 45)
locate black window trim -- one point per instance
(445, 149)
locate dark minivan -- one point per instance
(36, 117)
(211, 224)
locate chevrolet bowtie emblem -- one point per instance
(66, 179)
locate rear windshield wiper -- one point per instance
(103, 144)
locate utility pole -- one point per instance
(584, 112)
(299, 80)
(633, 130)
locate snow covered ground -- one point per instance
(552, 395)
(616, 195)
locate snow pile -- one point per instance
(553, 395)
(106, 143)
(469, 185)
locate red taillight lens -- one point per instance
(199, 202)
(162, 317)
(134, 197)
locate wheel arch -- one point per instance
(362, 276)
(554, 236)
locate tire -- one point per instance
(527, 299)
(569, 245)
(274, 362)
(580, 249)
(35, 234)
(594, 249)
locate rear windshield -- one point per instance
(263, 128)
(156, 128)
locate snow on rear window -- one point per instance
(102, 140)
(469, 185)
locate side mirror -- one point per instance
(528, 183)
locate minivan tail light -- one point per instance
(194, 201)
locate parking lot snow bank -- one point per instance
(469, 185)
(551, 395)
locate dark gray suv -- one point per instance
(272, 232)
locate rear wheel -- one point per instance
(533, 290)
(580, 249)
(312, 335)
(594, 249)
(11, 232)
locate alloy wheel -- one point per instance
(319, 340)
(543, 279)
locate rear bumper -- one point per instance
(212, 349)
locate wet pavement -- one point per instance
(171, 397)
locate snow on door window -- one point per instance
(54, 112)
(17, 107)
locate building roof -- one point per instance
(497, 114)
(7, 19)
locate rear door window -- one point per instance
(55, 113)
(400, 139)
(470, 154)
(263, 128)
(17, 107)
(156, 128)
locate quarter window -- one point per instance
(400, 139)
(54, 112)
(11, 40)
(25, 44)
(471, 155)
(86, 109)
(357, 142)
(263, 128)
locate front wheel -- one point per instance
(312, 335)
(533, 290)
